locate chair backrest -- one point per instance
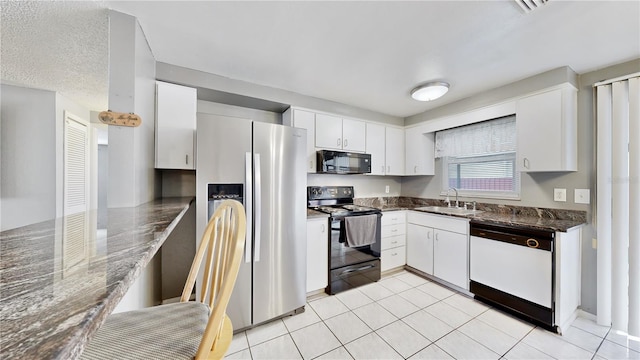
(223, 243)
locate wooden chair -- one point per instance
(189, 329)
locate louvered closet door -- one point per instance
(76, 190)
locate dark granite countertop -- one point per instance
(311, 214)
(60, 279)
(505, 215)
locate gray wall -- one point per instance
(194, 78)
(28, 155)
(537, 189)
(587, 120)
(364, 185)
(132, 179)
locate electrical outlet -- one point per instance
(559, 194)
(581, 196)
(386, 189)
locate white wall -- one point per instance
(28, 155)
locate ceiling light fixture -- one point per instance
(430, 91)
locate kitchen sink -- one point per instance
(449, 210)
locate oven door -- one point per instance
(342, 255)
(352, 276)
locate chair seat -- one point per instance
(171, 331)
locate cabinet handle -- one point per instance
(388, 168)
(394, 254)
(322, 228)
(345, 143)
(525, 163)
(428, 235)
(436, 236)
(394, 230)
(186, 159)
(338, 142)
(415, 169)
(311, 165)
(383, 169)
(394, 242)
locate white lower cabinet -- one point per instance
(393, 240)
(450, 258)
(317, 254)
(420, 248)
(438, 245)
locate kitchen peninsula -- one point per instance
(60, 279)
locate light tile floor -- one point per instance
(404, 316)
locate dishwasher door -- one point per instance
(514, 268)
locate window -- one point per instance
(479, 159)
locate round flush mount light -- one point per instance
(430, 91)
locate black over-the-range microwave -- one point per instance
(340, 162)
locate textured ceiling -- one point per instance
(60, 46)
(368, 54)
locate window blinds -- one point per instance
(485, 138)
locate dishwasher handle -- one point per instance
(532, 240)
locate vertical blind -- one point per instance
(618, 204)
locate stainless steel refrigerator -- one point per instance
(262, 165)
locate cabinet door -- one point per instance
(317, 254)
(450, 258)
(175, 126)
(353, 135)
(375, 147)
(420, 248)
(546, 125)
(306, 120)
(328, 132)
(394, 153)
(419, 153)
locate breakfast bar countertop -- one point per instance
(60, 279)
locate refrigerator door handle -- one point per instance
(248, 200)
(257, 200)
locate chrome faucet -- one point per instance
(449, 201)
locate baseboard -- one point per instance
(586, 315)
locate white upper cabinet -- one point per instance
(394, 151)
(547, 131)
(419, 153)
(333, 132)
(375, 145)
(328, 132)
(306, 120)
(176, 108)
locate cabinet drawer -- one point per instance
(393, 230)
(393, 241)
(444, 222)
(392, 258)
(393, 217)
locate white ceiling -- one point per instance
(370, 54)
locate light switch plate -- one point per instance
(386, 189)
(559, 194)
(581, 196)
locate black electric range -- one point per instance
(349, 265)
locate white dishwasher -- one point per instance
(514, 268)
